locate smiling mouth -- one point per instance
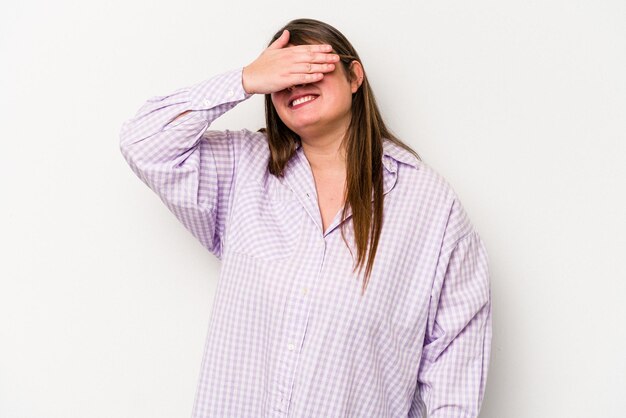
(301, 100)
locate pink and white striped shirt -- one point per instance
(290, 334)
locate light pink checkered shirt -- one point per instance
(290, 333)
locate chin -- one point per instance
(303, 127)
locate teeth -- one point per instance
(302, 100)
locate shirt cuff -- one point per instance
(223, 88)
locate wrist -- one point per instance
(246, 86)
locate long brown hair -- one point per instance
(363, 143)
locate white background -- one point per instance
(521, 105)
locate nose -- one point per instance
(294, 86)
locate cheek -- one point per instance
(278, 98)
(342, 101)
(341, 96)
(283, 115)
(276, 102)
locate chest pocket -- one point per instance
(266, 222)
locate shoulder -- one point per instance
(415, 175)
(427, 191)
(247, 141)
(245, 152)
(248, 150)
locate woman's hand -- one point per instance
(278, 67)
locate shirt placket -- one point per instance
(296, 315)
(298, 303)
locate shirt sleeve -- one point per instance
(189, 168)
(457, 345)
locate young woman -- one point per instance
(294, 212)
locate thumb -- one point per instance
(282, 40)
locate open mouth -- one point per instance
(300, 101)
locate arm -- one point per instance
(166, 145)
(455, 358)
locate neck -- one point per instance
(324, 154)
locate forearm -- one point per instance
(166, 144)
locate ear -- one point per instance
(356, 72)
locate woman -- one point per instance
(292, 211)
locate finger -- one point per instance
(316, 57)
(296, 79)
(313, 48)
(282, 40)
(309, 68)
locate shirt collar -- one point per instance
(392, 155)
(299, 178)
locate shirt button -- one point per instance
(304, 290)
(230, 93)
(207, 102)
(291, 347)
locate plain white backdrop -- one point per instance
(521, 105)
